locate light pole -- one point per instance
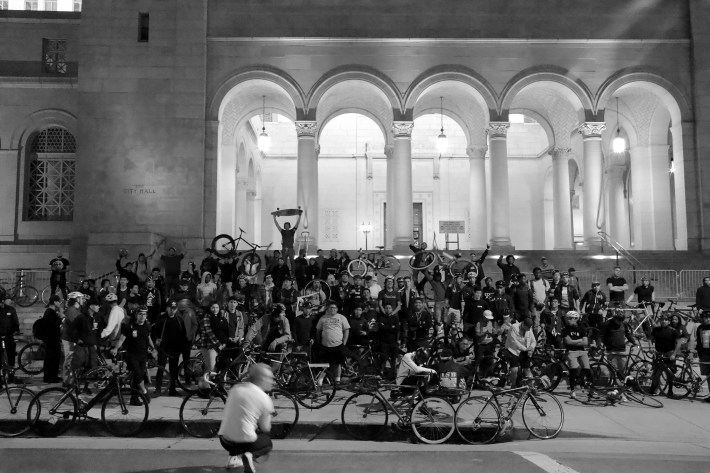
(366, 229)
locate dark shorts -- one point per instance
(704, 364)
(522, 361)
(259, 448)
(335, 355)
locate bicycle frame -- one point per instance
(520, 393)
(85, 407)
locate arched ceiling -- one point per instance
(556, 105)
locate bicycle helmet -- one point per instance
(421, 355)
(110, 297)
(572, 314)
(75, 295)
(142, 309)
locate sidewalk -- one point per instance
(679, 421)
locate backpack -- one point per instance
(39, 329)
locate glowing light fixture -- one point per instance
(264, 140)
(442, 142)
(618, 145)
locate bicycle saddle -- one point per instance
(380, 247)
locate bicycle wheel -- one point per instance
(200, 416)
(682, 382)
(388, 265)
(285, 415)
(500, 372)
(459, 266)
(644, 399)
(364, 416)
(477, 420)
(25, 296)
(432, 420)
(357, 267)
(602, 374)
(31, 358)
(425, 260)
(427, 291)
(15, 417)
(543, 415)
(550, 372)
(52, 411)
(125, 412)
(313, 388)
(46, 294)
(223, 245)
(653, 381)
(189, 373)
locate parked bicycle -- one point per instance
(124, 410)
(374, 262)
(201, 412)
(20, 293)
(365, 414)
(482, 419)
(14, 401)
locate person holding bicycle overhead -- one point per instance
(288, 237)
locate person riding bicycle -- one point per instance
(520, 344)
(576, 343)
(9, 326)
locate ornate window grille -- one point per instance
(54, 56)
(52, 176)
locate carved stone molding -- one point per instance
(560, 153)
(592, 129)
(306, 129)
(477, 152)
(498, 129)
(402, 129)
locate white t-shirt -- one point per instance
(247, 407)
(333, 328)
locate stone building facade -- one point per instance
(137, 120)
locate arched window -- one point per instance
(51, 179)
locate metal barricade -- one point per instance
(664, 281)
(689, 280)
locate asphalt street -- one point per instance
(108, 455)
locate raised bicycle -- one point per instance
(225, 246)
(374, 262)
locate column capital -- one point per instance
(560, 153)
(498, 129)
(592, 130)
(479, 152)
(402, 129)
(307, 129)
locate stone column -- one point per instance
(8, 193)
(618, 207)
(401, 212)
(592, 142)
(241, 218)
(477, 205)
(561, 198)
(387, 229)
(307, 178)
(500, 207)
(249, 214)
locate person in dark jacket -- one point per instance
(135, 337)
(126, 270)
(300, 265)
(509, 268)
(501, 304)
(702, 296)
(280, 273)
(567, 294)
(388, 329)
(522, 297)
(615, 332)
(85, 356)
(52, 339)
(9, 325)
(171, 339)
(702, 347)
(417, 326)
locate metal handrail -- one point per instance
(619, 248)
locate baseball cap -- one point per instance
(500, 283)
(596, 283)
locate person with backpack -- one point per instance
(85, 355)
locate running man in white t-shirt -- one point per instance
(248, 407)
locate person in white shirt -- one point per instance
(115, 318)
(248, 407)
(410, 366)
(372, 285)
(333, 330)
(520, 343)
